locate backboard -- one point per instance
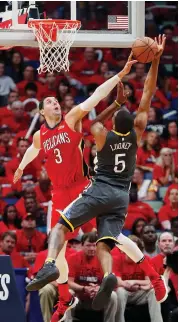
(113, 24)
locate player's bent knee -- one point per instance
(107, 244)
(61, 227)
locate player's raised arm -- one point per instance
(79, 111)
(29, 156)
(140, 121)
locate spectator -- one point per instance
(12, 165)
(166, 246)
(10, 220)
(143, 185)
(131, 102)
(87, 67)
(68, 103)
(6, 146)
(169, 211)
(63, 88)
(51, 84)
(6, 85)
(31, 91)
(43, 189)
(134, 286)
(149, 237)
(6, 112)
(164, 169)
(155, 121)
(174, 227)
(15, 69)
(170, 53)
(29, 76)
(7, 247)
(172, 186)
(138, 226)
(148, 153)
(38, 212)
(29, 240)
(85, 276)
(75, 243)
(19, 120)
(138, 209)
(171, 136)
(28, 192)
(138, 77)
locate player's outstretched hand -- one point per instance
(17, 175)
(121, 95)
(128, 65)
(161, 40)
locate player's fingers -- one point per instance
(130, 56)
(160, 40)
(163, 40)
(156, 40)
(132, 62)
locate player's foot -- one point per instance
(160, 289)
(48, 273)
(62, 309)
(104, 293)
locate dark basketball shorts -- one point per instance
(105, 202)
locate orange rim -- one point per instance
(60, 22)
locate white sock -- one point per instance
(129, 247)
(62, 265)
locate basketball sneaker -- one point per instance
(160, 289)
(62, 309)
(104, 293)
(48, 273)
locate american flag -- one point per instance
(118, 22)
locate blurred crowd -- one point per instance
(152, 220)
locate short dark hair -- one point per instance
(124, 121)
(41, 104)
(32, 86)
(10, 234)
(22, 139)
(90, 237)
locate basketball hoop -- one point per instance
(55, 38)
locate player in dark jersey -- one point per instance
(60, 138)
(107, 199)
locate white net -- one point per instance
(54, 44)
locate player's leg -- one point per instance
(131, 249)
(78, 213)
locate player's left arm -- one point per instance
(140, 121)
(79, 111)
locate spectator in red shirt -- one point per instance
(28, 192)
(63, 88)
(138, 77)
(43, 189)
(172, 186)
(6, 144)
(134, 286)
(6, 112)
(68, 103)
(10, 220)
(149, 238)
(166, 245)
(148, 153)
(170, 54)
(138, 209)
(87, 67)
(171, 137)
(164, 169)
(7, 247)
(29, 240)
(85, 276)
(143, 185)
(30, 171)
(174, 227)
(169, 211)
(51, 84)
(20, 119)
(29, 76)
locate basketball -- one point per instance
(144, 49)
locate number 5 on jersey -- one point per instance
(58, 157)
(119, 164)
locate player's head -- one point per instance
(50, 108)
(123, 121)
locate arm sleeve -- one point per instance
(101, 92)
(29, 155)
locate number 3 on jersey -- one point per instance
(58, 157)
(119, 164)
